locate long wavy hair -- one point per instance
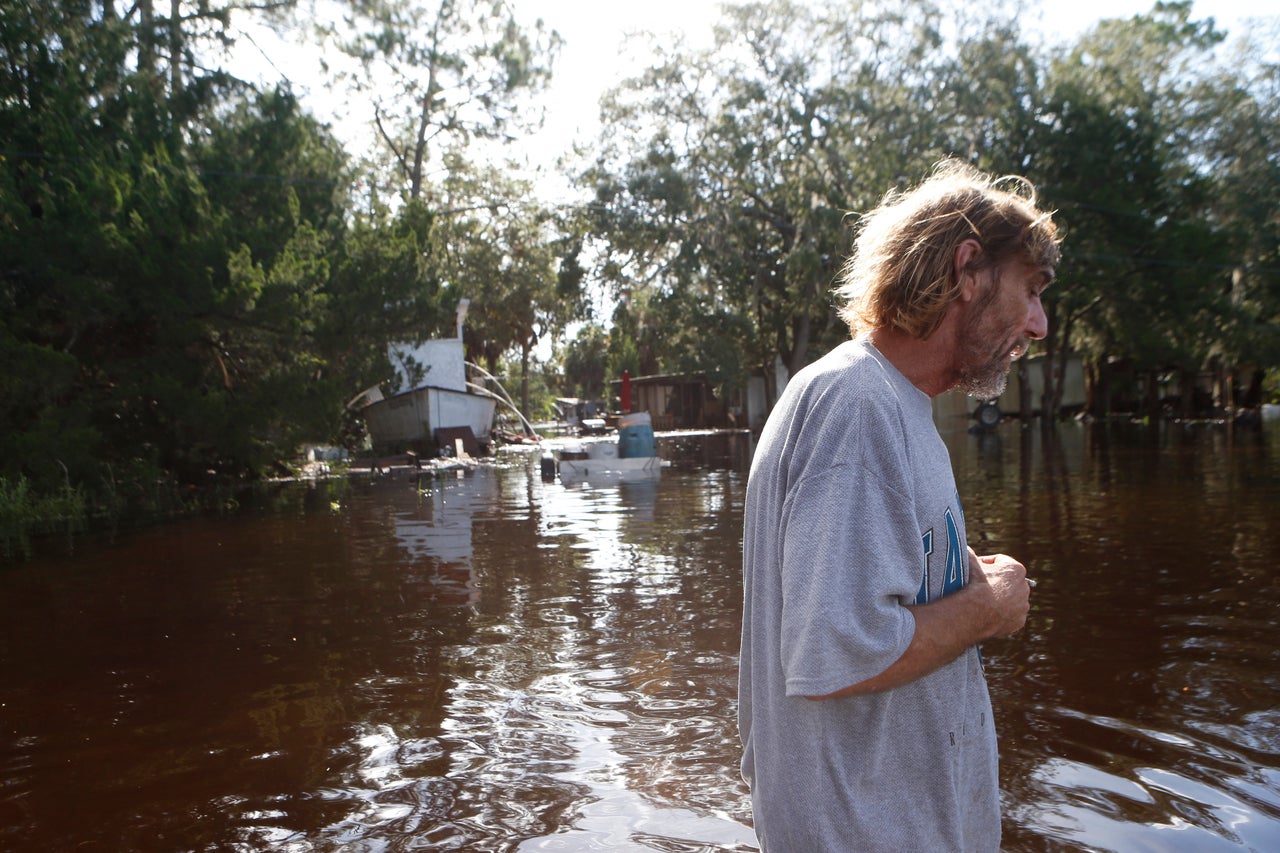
(902, 274)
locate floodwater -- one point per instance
(483, 661)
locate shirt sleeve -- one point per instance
(851, 562)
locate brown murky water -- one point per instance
(488, 662)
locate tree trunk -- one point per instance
(175, 50)
(770, 387)
(1060, 378)
(1227, 390)
(525, 350)
(1187, 382)
(146, 38)
(800, 351)
(1097, 390)
(1151, 405)
(1049, 392)
(1055, 364)
(421, 140)
(1024, 391)
(1253, 394)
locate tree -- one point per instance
(1236, 127)
(585, 362)
(1116, 159)
(268, 163)
(386, 287)
(443, 75)
(728, 177)
(519, 273)
(166, 328)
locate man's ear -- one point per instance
(967, 252)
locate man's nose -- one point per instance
(1037, 322)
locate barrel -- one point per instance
(635, 436)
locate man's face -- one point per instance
(1000, 325)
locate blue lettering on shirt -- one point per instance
(922, 597)
(957, 565)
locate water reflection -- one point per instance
(484, 661)
(1136, 707)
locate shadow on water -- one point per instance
(484, 661)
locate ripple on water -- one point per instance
(1134, 787)
(495, 663)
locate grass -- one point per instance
(23, 509)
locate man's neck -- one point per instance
(927, 364)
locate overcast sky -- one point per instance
(593, 59)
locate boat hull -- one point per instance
(629, 468)
(412, 418)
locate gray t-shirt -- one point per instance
(852, 514)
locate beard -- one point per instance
(984, 373)
(983, 366)
(987, 381)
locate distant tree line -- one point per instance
(195, 275)
(726, 184)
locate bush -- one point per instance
(1271, 386)
(23, 510)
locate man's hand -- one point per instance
(994, 604)
(1002, 582)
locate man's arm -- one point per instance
(994, 604)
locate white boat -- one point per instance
(436, 406)
(578, 469)
(429, 414)
(632, 456)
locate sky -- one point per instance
(590, 61)
(593, 58)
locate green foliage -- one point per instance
(1146, 269)
(623, 356)
(23, 510)
(270, 165)
(729, 175)
(514, 259)
(385, 287)
(184, 304)
(542, 392)
(1271, 387)
(584, 362)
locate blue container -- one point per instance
(635, 441)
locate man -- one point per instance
(864, 713)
